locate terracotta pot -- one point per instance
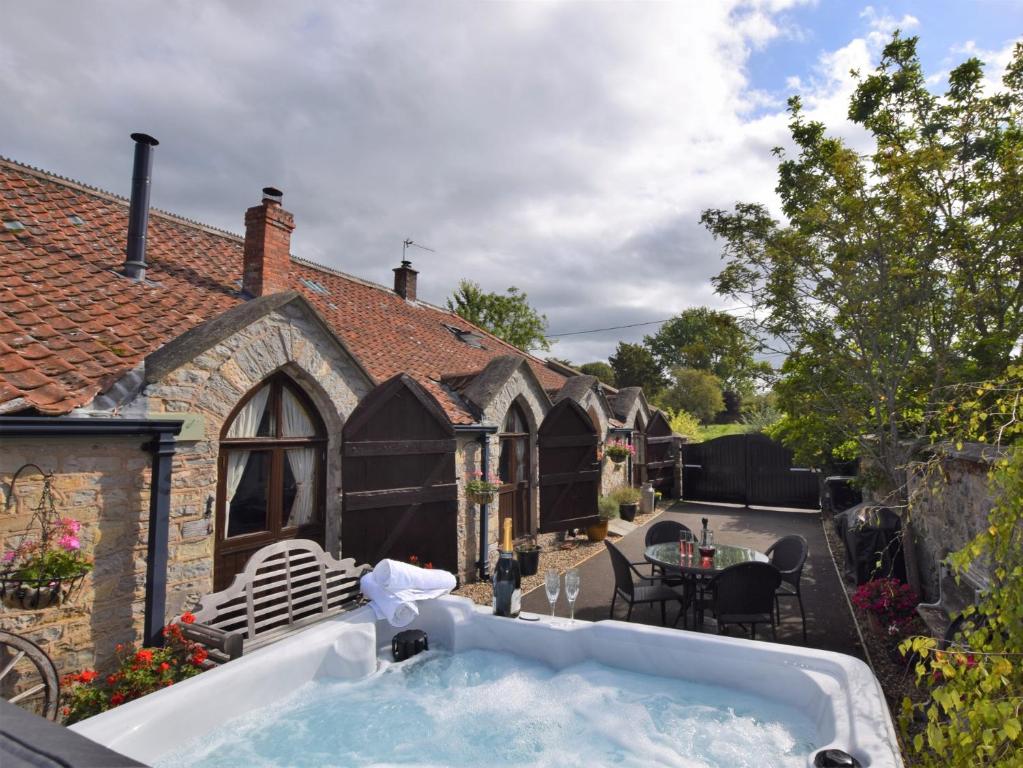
(597, 531)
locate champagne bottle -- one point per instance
(703, 533)
(507, 580)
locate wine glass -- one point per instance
(572, 590)
(552, 583)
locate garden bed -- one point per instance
(896, 674)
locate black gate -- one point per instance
(752, 470)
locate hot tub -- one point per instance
(638, 695)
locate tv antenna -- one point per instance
(409, 243)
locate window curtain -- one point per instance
(245, 424)
(296, 423)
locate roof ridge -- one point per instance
(114, 197)
(445, 310)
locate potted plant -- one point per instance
(607, 509)
(628, 502)
(618, 451)
(527, 552)
(480, 489)
(44, 570)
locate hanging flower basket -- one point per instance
(476, 497)
(32, 594)
(618, 451)
(480, 489)
(47, 568)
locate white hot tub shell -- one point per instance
(838, 693)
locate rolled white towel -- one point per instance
(411, 582)
(386, 605)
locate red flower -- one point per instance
(117, 698)
(119, 647)
(199, 656)
(429, 565)
(88, 675)
(187, 618)
(111, 679)
(144, 656)
(164, 666)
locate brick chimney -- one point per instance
(268, 230)
(405, 281)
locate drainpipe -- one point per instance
(161, 448)
(483, 432)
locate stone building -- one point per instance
(289, 378)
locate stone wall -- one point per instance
(949, 505)
(104, 484)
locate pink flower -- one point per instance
(69, 542)
(70, 525)
(9, 556)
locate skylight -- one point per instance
(13, 226)
(312, 285)
(75, 219)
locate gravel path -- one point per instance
(554, 555)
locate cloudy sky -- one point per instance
(564, 148)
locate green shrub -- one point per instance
(626, 495)
(607, 508)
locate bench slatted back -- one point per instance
(285, 585)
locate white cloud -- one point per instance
(567, 149)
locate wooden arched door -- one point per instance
(660, 459)
(270, 475)
(516, 471)
(569, 469)
(398, 478)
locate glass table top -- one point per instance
(669, 555)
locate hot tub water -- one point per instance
(486, 708)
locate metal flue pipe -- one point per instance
(138, 213)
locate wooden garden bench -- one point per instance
(953, 598)
(285, 586)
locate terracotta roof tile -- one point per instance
(70, 326)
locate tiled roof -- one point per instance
(70, 325)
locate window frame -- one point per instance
(276, 446)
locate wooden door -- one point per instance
(515, 471)
(660, 461)
(398, 477)
(270, 475)
(569, 469)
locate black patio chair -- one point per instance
(788, 554)
(656, 591)
(744, 594)
(666, 532)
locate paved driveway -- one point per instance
(828, 621)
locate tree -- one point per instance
(709, 340)
(895, 275)
(698, 392)
(601, 370)
(635, 366)
(508, 317)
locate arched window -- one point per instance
(271, 474)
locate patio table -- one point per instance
(669, 556)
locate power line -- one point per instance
(631, 325)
